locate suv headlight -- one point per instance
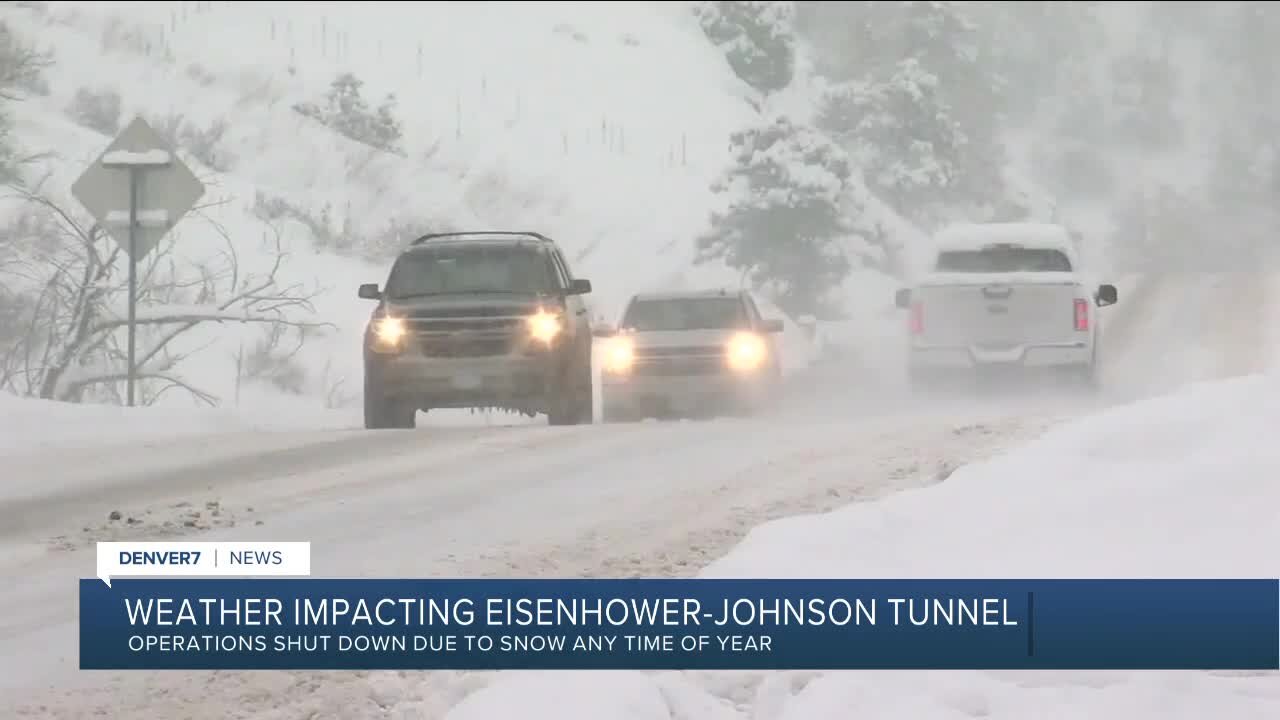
(746, 352)
(388, 334)
(544, 326)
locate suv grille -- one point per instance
(468, 336)
(688, 360)
(452, 346)
(446, 326)
(679, 366)
(679, 352)
(464, 313)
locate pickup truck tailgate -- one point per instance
(994, 315)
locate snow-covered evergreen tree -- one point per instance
(923, 106)
(1247, 90)
(1075, 130)
(950, 44)
(386, 128)
(1145, 90)
(758, 38)
(787, 213)
(1244, 177)
(1038, 46)
(347, 112)
(902, 133)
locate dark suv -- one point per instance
(478, 320)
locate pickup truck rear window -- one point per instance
(1002, 260)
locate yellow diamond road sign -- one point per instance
(167, 189)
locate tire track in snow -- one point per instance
(81, 495)
(430, 485)
(842, 468)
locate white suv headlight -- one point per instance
(746, 352)
(544, 326)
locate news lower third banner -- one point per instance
(278, 623)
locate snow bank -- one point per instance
(1182, 485)
(609, 695)
(32, 425)
(1179, 486)
(613, 695)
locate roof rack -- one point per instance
(466, 233)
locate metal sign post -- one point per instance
(136, 164)
(154, 174)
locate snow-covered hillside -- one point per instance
(599, 124)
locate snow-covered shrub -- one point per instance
(346, 112)
(273, 359)
(205, 144)
(117, 34)
(97, 110)
(22, 69)
(343, 237)
(201, 143)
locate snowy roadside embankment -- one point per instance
(29, 425)
(1178, 486)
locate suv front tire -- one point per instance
(572, 402)
(382, 412)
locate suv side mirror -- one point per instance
(604, 330)
(370, 291)
(772, 326)
(1106, 295)
(902, 298)
(579, 287)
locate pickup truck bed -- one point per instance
(968, 322)
(995, 314)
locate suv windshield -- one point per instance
(1003, 260)
(686, 314)
(471, 269)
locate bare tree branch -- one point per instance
(20, 65)
(72, 343)
(79, 384)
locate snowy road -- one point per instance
(648, 499)
(654, 499)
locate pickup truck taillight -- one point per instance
(1082, 314)
(917, 318)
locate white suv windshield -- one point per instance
(686, 314)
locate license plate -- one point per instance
(467, 381)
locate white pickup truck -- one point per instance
(999, 297)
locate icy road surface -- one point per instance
(653, 499)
